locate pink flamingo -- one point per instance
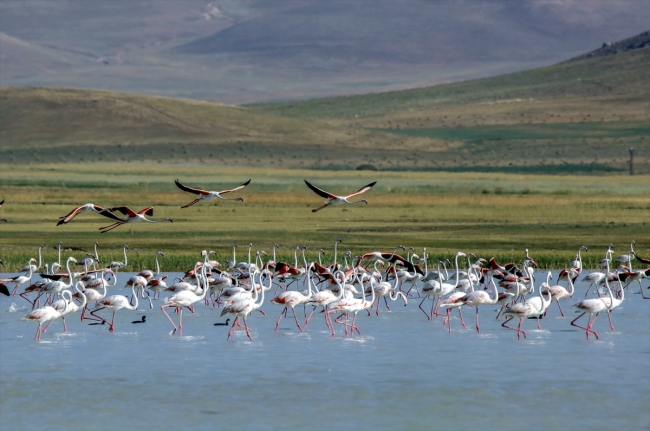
(19, 279)
(338, 200)
(184, 298)
(87, 208)
(208, 196)
(115, 303)
(326, 297)
(291, 298)
(132, 217)
(593, 306)
(558, 292)
(478, 298)
(41, 315)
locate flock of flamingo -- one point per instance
(357, 285)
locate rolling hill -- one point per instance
(257, 50)
(579, 116)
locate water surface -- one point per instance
(404, 372)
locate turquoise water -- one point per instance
(404, 372)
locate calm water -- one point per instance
(404, 372)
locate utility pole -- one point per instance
(631, 150)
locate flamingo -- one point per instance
(19, 279)
(338, 200)
(208, 196)
(244, 307)
(132, 217)
(446, 288)
(612, 303)
(87, 208)
(291, 298)
(324, 298)
(627, 258)
(558, 292)
(41, 315)
(57, 286)
(115, 303)
(592, 306)
(67, 306)
(117, 265)
(185, 298)
(430, 287)
(91, 294)
(384, 288)
(353, 305)
(478, 298)
(525, 309)
(34, 267)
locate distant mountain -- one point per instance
(238, 52)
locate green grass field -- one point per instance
(488, 214)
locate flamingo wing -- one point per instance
(363, 189)
(123, 209)
(3, 201)
(147, 211)
(70, 215)
(193, 190)
(4, 289)
(236, 188)
(320, 192)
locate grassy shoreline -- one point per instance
(489, 214)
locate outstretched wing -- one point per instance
(190, 189)
(106, 212)
(123, 209)
(363, 189)
(320, 192)
(4, 289)
(146, 211)
(69, 216)
(3, 201)
(236, 188)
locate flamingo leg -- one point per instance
(101, 319)
(112, 327)
(425, 313)
(461, 318)
(386, 302)
(586, 328)
(561, 312)
(310, 314)
(354, 319)
(611, 325)
(232, 328)
(180, 323)
(478, 329)
(38, 333)
(279, 318)
(246, 326)
(162, 307)
(296, 317)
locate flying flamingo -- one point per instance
(185, 298)
(5, 290)
(87, 208)
(208, 196)
(132, 217)
(41, 315)
(338, 200)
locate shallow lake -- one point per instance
(403, 372)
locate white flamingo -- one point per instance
(332, 199)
